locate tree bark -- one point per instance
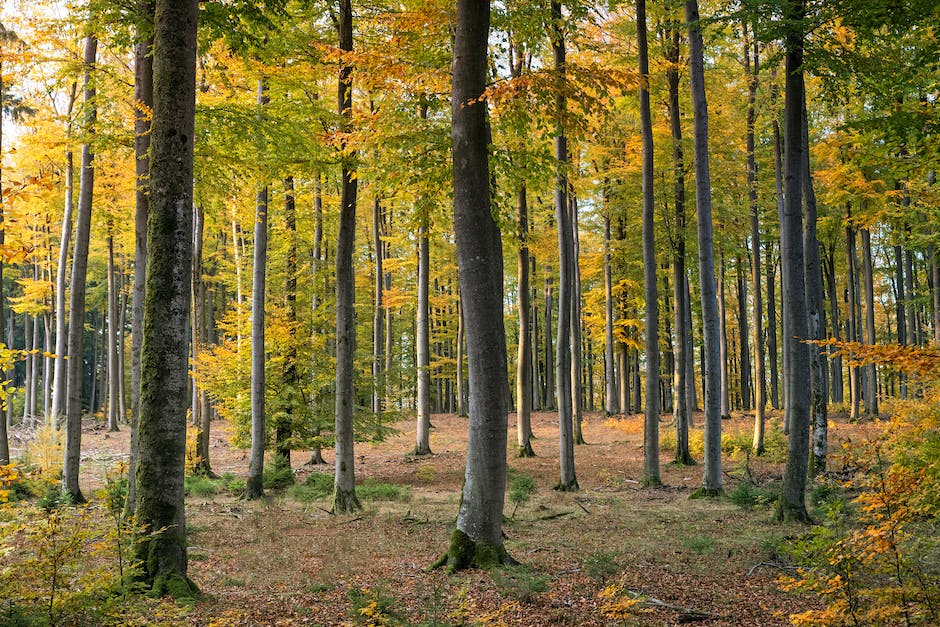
(477, 539)
(378, 313)
(567, 481)
(114, 373)
(792, 504)
(162, 419)
(711, 481)
(651, 474)
(73, 430)
(344, 494)
(611, 391)
(851, 265)
(871, 378)
(524, 359)
(577, 389)
(423, 348)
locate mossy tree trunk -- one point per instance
(163, 390)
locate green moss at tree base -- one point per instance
(788, 512)
(526, 451)
(684, 459)
(464, 553)
(176, 586)
(651, 481)
(345, 501)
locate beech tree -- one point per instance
(477, 539)
(163, 392)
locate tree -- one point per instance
(253, 486)
(477, 539)
(344, 491)
(423, 349)
(163, 394)
(792, 505)
(711, 480)
(567, 481)
(651, 474)
(73, 430)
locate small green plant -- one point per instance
(521, 489)
(425, 474)
(373, 607)
(199, 485)
(698, 544)
(600, 565)
(519, 582)
(748, 496)
(277, 478)
(318, 485)
(372, 490)
(233, 484)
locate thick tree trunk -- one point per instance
(651, 475)
(792, 504)
(477, 539)
(143, 105)
(524, 359)
(73, 430)
(344, 494)
(162, 419)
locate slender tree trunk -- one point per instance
(461, 341)
(316, 402)
(143, 105)
(853, 331)
(816, 313)
(611, 393)
(524, 359)
(73, 430)
(477, 539)
(548, 397)
(871, 378)
(778, 182)
(651, 475)
(201, 418)
(162, 418)
(836, 386)
(723, 338)
(284, 421)
(4, 435)
(344, 494)
(423, 349)
(114, 373)
(577, 389)
(744, 350)
(792, 504)
(772, 324)
(378, 312)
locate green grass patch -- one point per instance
(198, 485)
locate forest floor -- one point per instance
(287, 561)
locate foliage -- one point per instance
(521, 488)
(373, 607)
(875, 559)
(72, 565)
(600, 565)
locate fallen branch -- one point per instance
(687, 615)
(578, 503)
(554, 516)
(770, 565)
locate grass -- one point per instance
(319, 486)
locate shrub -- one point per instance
(519, 583)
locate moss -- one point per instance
(176, 586)
(652, 481)
(789, 512)
(465, 553)
(345, 501)
(684, 459)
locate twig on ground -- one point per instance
(770, 565)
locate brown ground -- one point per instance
(282, 562)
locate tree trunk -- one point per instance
(284, 421)
(254, 484)
(611, 393)
(816, 313)
(548, 396)
(771, 269)
(778, 183)
(524, 360)
(723, 338)
(344, 494)
(853, 331)
(423, 349)
(114, 373)
(792, 505)
(73, 429)
(744, 350)
(162, 419)
(567, 481)
(577, 389)
(871, 378)
(200, 327)
(143, 105)
(378, 313)
(651, 475)
(461, 342)
(477, 539)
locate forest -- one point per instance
(433, 312)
